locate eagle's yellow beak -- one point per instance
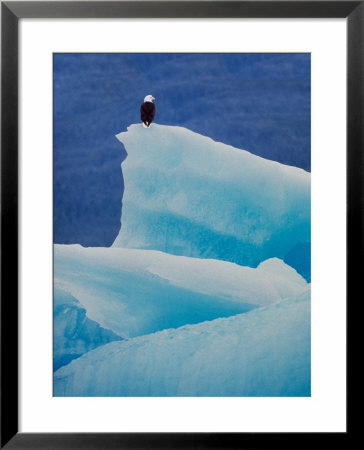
(153, 98)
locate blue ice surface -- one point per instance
(299, 257)
(127, 298)
(265, 352)
(103, 294)
(73, 333)
(191, 196)
(258, 102)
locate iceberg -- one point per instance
(205, 290)
(188, 195)
(133, 292)
(73, 332)
(264, 352)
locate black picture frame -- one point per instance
(11, 12)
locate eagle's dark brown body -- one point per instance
(147, 113)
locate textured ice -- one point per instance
(74, 333)
(134, 292)
(186, 194)
(195, 293)
(265, 352)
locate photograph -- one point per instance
(181, 225)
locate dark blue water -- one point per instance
(258, 102)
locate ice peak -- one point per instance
(186, 194)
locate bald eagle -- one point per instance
(147, 111)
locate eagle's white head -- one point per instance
(149, 98)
